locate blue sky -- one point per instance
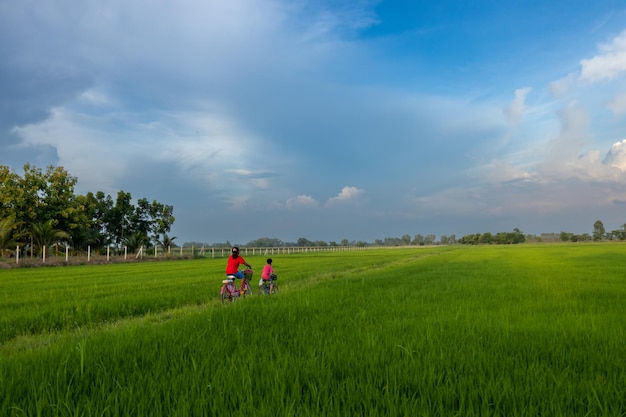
(328, 120)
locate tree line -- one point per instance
(40, 209)
(513, 237)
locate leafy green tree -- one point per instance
(265, 242)
(9, 192)
(418, 240)
(486, 238)
(161, 219)
(119, 224)
(619, 234)
(304, 242)
(598, 231)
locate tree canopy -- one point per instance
(40, 208)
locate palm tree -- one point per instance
(135, 241)
(80, 239)
(44, 234)
(8, 236)
(167, 241)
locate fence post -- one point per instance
(44, 253)
(88, 253)
(67, 254)
(17, 255)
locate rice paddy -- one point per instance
(521, 330)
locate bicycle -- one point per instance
(270, 286)
(230, 293)
(245, 288)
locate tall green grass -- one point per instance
(478, 331)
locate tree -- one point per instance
(119, 219)
(44, 234)
(418, 240)
(304, 242)
(598, 231)
(486, 238)
(135, 241)
(39, 197)
(167, 241)
(9, 192)
(8, 237)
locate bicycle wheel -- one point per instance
(274, 289)
(228, 298)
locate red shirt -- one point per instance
(233, 264)
(267, 271)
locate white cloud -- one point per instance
(345, 195)
(616, 157)
(561, 87)
(618, 104)
(609, 64)
(574, 135)
(302, 201)
(517, 108)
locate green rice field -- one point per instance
(522, 330)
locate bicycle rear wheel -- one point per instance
(274, 289)
(228, 298)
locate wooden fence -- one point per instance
(68, 256)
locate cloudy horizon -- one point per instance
(355, 120)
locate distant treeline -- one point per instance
(501, 238)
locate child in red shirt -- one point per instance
(268, 270)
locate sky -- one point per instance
(326, 119)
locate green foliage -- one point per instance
(501, 238)
(472, 331)
(44, 234)
(38, 198)
(8, 235)
(599, 232)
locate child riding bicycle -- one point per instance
(267, 277)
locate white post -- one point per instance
(17, 255)
(108, 252)
(155, 250)
(125, 251)
(88, 253)
(181, 251)
(44, 254)
(67, 253)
